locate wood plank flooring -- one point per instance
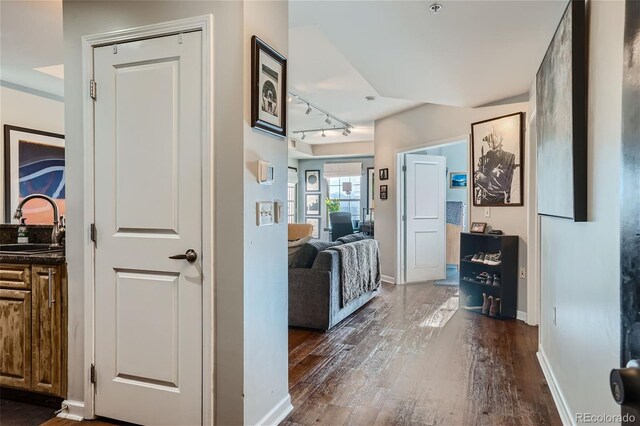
(409, 358)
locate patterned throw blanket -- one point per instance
(359, 268)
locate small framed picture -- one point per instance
(383, 192)
(315, 221)
(312, 180)
(312, 203)
(383, 174)
(268, 89)
(478, 227)
(457, 180)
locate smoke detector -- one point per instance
(435, 8)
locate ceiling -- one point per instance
(471, 53)
(31, 37)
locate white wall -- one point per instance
(580, 270)
(250, 310)
(457, 155)
(431, 124)
(265, 249)
(18, 108)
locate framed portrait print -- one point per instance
(497, 148)
(33, 164)
(315, 221)
(457, 180)
(384, 174)
(312, 205)
(312, 181)
(383, 192)
(268, 89)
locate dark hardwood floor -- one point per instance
(409, 358)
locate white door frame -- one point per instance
(400, 197)
(204, 24)
(533, 226)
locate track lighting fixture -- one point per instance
(323, 135)
(344, 133)
(308, 109)
(328, 120)
(303, 136)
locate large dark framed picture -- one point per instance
(497, 146)
(268, 89)
(33, 164)
(312, 181)
(561, 120)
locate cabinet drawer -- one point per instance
(16, 277)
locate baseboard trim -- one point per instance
(277, 413)
(522, 316)
(388, 279)
(556, 393)
(74, 411)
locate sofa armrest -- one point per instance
(309, 298)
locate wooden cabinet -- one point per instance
(33, 328)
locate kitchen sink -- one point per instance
(28, 249)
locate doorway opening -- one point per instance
(433, 209)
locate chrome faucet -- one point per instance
(58, 232)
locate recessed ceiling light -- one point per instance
(435, 8)
(370, 98)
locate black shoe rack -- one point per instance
(471, 289)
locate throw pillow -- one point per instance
(295, 246)
(307, 254)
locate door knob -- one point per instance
(625, 384)
(189, 255)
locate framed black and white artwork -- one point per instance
(384, 174)
(497, 148)
(312, 205)
(315, 222)
(268, 89)
(383, 192)
(312, 180)
(561, 120)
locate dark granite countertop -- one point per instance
(55, 258)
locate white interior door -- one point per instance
(148, 307)
(425, 224)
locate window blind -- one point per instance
(337, 170)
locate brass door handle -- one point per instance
(190, 256)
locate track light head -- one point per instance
(328, 120)
(344, 132)
(308, 109)
(323, 135)
(303, 136)
(348, 130)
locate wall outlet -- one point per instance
(554, 316)
(487, 212)
(523, 272)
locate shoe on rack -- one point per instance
(494, 310)
(495, 259)
(483, 277)
(496, 280)
(487, 257)
(486, 303)
(469, 256)
(489, 280)
(478, 257)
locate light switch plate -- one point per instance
(487, 212)
(264, 213)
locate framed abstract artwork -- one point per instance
(33, 164)
(268, 89)
(383, 192)
(497, 152)
(312, 181)
(315, 222)
(561, 120)
(457, 180)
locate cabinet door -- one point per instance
(46, 366)
(15, 338)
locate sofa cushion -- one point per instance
(353, 238)
(295, 246)
(308, 252)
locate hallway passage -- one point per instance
(409, 357)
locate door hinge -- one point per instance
(92, 373)
(404, 168)
(94, 234)
(93, 89)
(404, 218)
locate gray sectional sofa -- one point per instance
(315, 287)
